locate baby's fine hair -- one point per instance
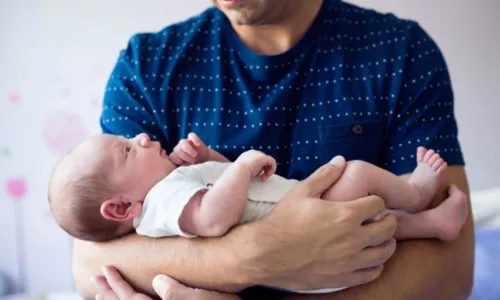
(75, 199)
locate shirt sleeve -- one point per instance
(128, 106)
(423, 113)
(165, 203)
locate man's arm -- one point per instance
(246, 256)
(139, 259)
(429, 267)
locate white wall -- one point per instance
(56, 55)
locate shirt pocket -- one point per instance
(356, 140)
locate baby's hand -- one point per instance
(260, 164)
(189, 151)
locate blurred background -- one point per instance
(55, 59)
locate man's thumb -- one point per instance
(324, 177)
(168, 288)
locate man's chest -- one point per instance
(303, 119)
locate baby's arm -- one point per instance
(216, 156)
(212, 213)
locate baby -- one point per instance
(109, 186)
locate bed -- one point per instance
(486, 211)
(487, 266)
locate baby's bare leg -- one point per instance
(361, 179)
(443, 222)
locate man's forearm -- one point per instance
(139, 259)
(412, 275)
(422, 269)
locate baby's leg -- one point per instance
(443, 222)
(361, 179)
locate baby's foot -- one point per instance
(426, 176)
(450, 216)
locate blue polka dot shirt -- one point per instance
(362, 84)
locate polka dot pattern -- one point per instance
(374, 89)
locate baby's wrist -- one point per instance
(244, 166)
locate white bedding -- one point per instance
(486, 207)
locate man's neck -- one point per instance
(279, 37)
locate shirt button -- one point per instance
(357, 129)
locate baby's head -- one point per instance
(97, 189)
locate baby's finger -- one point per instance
(270, 169)
(185, 157)
(175, 159)
(197, 142)
(188, 148)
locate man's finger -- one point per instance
(361, 276)
(367, 208)
(323, 178)
(170, 289)
(121, 288)
(109, 295)
(100, 283)
(375, 256)
(380, 231)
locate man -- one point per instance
(302, 80)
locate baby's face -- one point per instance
(135, 165)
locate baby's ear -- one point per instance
(118, 209)
(134, 209)
(112, 209)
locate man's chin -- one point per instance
(245, 19)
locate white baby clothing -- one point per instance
(165, 202)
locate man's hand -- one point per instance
(111, 286)
(259, 164)
(321, 244)
(190, 151)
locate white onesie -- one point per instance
(165, 202)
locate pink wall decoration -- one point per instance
(14, 97)
(63, 131)
(16, 187)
